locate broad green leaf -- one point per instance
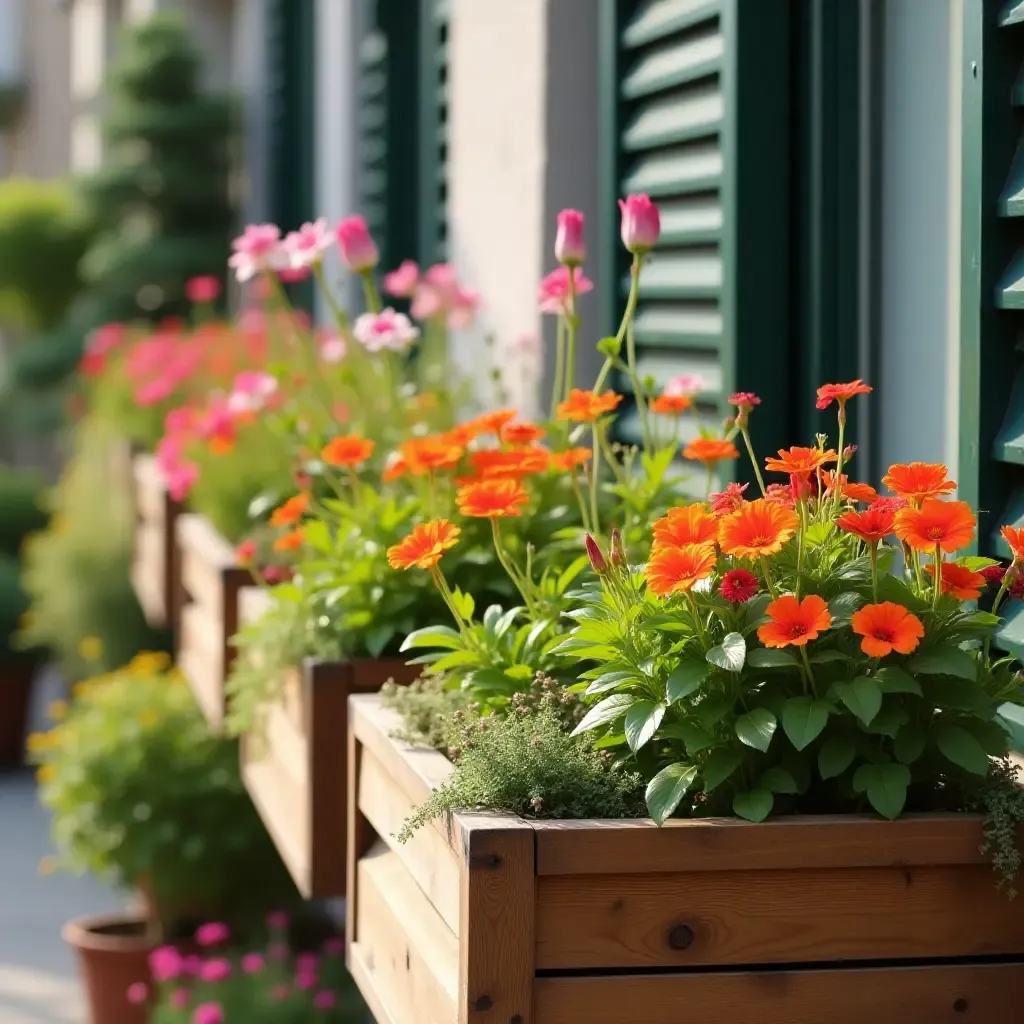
(822, 657)
(720, 764)
(960, 747)
(956, 695)
(730, 654)
(667, 788)
(492, 679)
(754, 805)
(843, 605)
(769, 657)
(491, 615)
(977, 562)
(944, 661)
(433, 636)
(777, 780)
(611, 680)
(571, 572)
(463, 603)
(520, 672)
(756, 728)
(909, 743)
(803, 718)
(888, 722)
(612, 739)
(711, 712)
(1011, 719)
(693, 736)
(642, 721)
(605, 711)
(892, 679)
(685, 678)
(862, 696)
(836, 755)
(817, 533)
(885, 785)
(504, 623)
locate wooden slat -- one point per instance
(1011, 202)
(201, 661)
(766, 917)
(253, 604)
(1008, 445)
(410, 956)
(150, 493)
(197, 534)
(691, 221)
(1012, 13)
(149, 570)
(656, 18)
(682, 274)
(907, 995)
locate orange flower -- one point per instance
(851, 491)
(963, 583)
(347, 450)
(887, 627)
(829, 393)
(291, 511)
(461, 434)
(571, 458)
(710, 450)
(488, 423)
(492, 499)
(424, 547)
(396, 468)
(675, 570)
(692, 524)
(799, 461)
(425, 454)
(872, 525)
(671, 405)
(946, 524)
(586, 407)
(220, 445)
(521, 433)
(1014, 536)
(491, 463)
(794, 622)
(290, 541)
(918, 481)
(757, 528)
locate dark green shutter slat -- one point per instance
(696, 168)
(1012, 13)
(687, 114)
(688, 327)
(675, 64)
(1010, 290)
(1009, 443)
(681, 275)
(1011, 202)
(434, 100)
(656, 19)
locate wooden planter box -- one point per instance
(296, 770)
(492, 919)
(209, 583)
(155, 563)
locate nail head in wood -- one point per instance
(680, 936)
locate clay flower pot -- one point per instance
(113, 953)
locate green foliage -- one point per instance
(141, 792)
(426, 707)
(13, 605)
(1001, 799)
(20, 510)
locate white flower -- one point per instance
(306, 247)
(385, 330)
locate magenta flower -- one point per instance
(179, 998)
(385, 330)
(358, 251)
(307, 963)
(305, 981)
(306, 247)
(138, 993)
(256, 250)
(253, 963)
(293, 275)
(216, 969)
(402, 282)
(251, 391)
(208, 1013)
(204, 288)
(569, 246)
(641, 223)
(325, 1000)
(192, 965)
(553, 293)
(165, 963)
(335, 946)
(212, 933)
(278, 920)
(440, 296)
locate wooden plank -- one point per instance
(359, 839)
(149, 570)
(496, 920)
(765, 917)
(411, 957)
(956, 994)
(728, 844)
(253, 604)
(150, 492)
(362, 975)
(201, 661)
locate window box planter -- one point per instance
(296, 771)
(155, 563)
(209, 583)
(492, 918)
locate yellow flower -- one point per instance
(46, 773)
(80, 690)
(91, 648)
(58, 710)
(37, 742)
(148, 718)
(149, 663)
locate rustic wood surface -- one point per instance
(155, 562)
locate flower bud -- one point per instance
(618, 551)
(641, 224)
(358, 251)
(597, 560)
(569, 246)
(848, 452)
(801, 486)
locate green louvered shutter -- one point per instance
(991, 471)
(699, 121)
(433, 128)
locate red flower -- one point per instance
(728, 500)
(993, 574)
(841, 393)
(738, 585)
(958, 580)
(780, 494)
(246, 552)
(744, 399)
(888, 505)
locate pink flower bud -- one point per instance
(618, 550)
(358, 251)
(597, 559)
(138, 993)
(205, 288)
(849, 451)
(402, 282)
(569, 246)
(801, 486)
(641, 224)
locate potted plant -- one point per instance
(144, 795)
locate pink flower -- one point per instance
(641, 224)
(208, 1013)
(440, 296)
(280, 992)
(138, 993)
(98, 346)
(553, 294)
(215, 970)
(334, 946)
(738, 586)
(257, 249)
(179, 998)
(204, 288)
(728, 500)
(402, 282)
(358, 251)
(307, 963)
(306, 247)
(684, 384)
(165, 963)
(332, 348)
(253, 963)
(213, 933)
(569, 246)
(305, 981)
(251, 391)
(293, 275)
(325, 1000)
(277, 951)
(192, 965)
(385, 330)
(277, 920)
(179, 420)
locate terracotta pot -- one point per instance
(15, 688)
(113, 953)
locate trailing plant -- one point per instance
(426, 707)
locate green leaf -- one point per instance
(817, 533)
(693, 736)
(609, 347)
(605, 711)
(956, 695)
(803, 718)
(754, 805)
(822, 657)
(318, 536)
(756, 728)
(769, 657)
(843, 605)
(502, 626)
(977, 562)
(960, 747)
(667, 788)
(730, 654)
(888, 722)
(520, 672)
(945, 661)
(611, 680)
(433, 636)
(892, 679)
(836, 755)
(720, 764)
(862, 696)
(711, 712)
(642, 721)
(463, 603)
(685, 678)
(777, 780)
(909, 743)
(885, 785)
(1011, 719)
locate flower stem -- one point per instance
(697, 623)
(801, 543)
(558, 384)
(572, 324)
(807, 669)
(595, 474)
(753, 461)
(370, 293)
(446, 595)
(340, 316)
(838, 497)
(874, 570)
(768, 577)
(937, 560)
(506, 563)
(627, 319)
